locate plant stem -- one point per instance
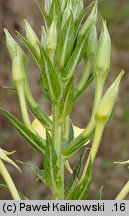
(124, 192)
(57, 140)
(97, 138)
(23, 105)
(9, 181)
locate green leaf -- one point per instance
(22, 196)
(81, 17)
(51, 167)
(43, 12)
(36, 142)
(82, 190)
(74, 145)
(78, 94)
(70, 131)
(74, 178)
(30, 48)
(55, 12)
(67, 100)
(38, 173)
(41, 116)
(65, 42)
(75, 58)
(50, 79)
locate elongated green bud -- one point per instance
(43, 36)
(48, 5)
(108, 101)
(102, 60)
(51, 40)
(19, 68)
(12, 45)
(92, 18)
(31, 36)
(92, 42)
(66, 15)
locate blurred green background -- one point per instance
(115, 140)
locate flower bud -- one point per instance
(48, 5)
(51, 40)
(67, 13)
(108, 101)
(43, 36)
(19, 68)
(12, 45)
(102, 60)
(30, 34)
(92, 42)
(92, 18)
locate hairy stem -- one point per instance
(57, 140)
(23, 105)
(97, 138)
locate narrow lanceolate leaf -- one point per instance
(30, 48)
(65, 42)
(37, 172)
(70, 131)
(74, 178)
(51, 167)
(78, 93)
(77, 143)
(67, 100)
(81, 192)
(81, 17)
(41, 116)
(75, 58)
(43, 12)
(35, 141)
(50, 79)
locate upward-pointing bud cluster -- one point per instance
(69, 36)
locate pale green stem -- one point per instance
(97, 138)
(23, 105)
(124, 192)
(9, 181)
(57, 140)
